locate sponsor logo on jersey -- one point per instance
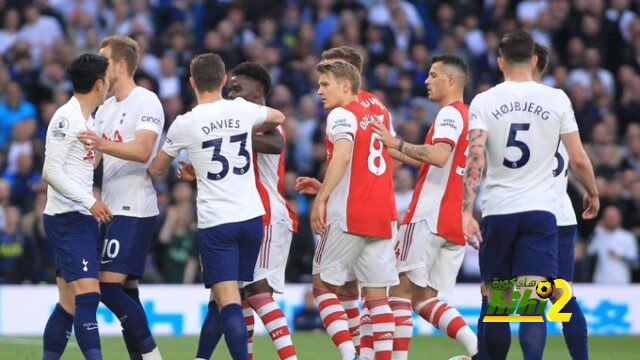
(151, 119)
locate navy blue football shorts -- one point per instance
(566, 246)
(126, 244)
(524, 243)
(230, 251)
(75, 239)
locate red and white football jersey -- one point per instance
(269, 170)
(362, 200)
(438, 194)
(375, 105)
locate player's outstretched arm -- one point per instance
(405, 159)
(471, 184)
(160, 164)
(274, 119)
(583, 171)
(436, 154)
(335, 171)
(138, 150)
(269, 142)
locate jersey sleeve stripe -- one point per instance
(444, 140)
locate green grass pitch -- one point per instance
(316, 347)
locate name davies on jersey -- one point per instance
(219, 124)
(529, 107)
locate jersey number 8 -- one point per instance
(375, 153)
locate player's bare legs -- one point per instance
(121, 296)
(258, 297)
(333, 316)
(574, 331)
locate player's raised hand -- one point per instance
(101, 212)
(471, 230)
(90, 139)
(381, 130)
(591, 206)
(317, 217)
(307, 186)
(186, 172)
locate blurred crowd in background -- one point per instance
(594, 56)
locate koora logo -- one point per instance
(522, 304)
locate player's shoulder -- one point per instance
(340, 112)
(145, 96)
(452, 110)
(70, 111)
(107, 104)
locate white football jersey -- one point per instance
(217, 138)
(565, 216)
(524, 121)
(68, 157)
(126, 186)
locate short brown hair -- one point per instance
(348, 54)
(208, 72)
(341, 70)
(543, 57)
(516, 47)
(123, 48)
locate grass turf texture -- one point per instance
(316, 347)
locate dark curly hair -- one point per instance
(255, 71)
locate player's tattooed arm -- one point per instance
(475, 167)
(269, 142)
(436, 154)
(471, 185)
(397, 155)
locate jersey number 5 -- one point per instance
(512, 142)
(216, 144)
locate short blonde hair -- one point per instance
(341, 70)
(123, 48)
